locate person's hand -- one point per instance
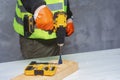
(69, 27)
(43, 18)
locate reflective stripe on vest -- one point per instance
(38, 33)
(57, 5)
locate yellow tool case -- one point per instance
(43, 69)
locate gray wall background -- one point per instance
(97, 27)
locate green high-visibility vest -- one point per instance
(54, 5)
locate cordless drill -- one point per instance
(60, 24)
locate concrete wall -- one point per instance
(97, 27)
(9, 44)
